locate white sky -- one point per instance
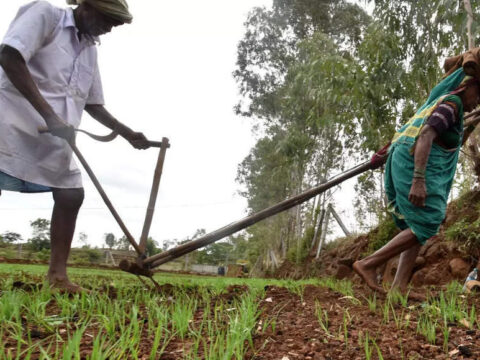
(168, 74)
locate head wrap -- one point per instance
(117, 9)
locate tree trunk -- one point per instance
(324, 233)
(318, 231)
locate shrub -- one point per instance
(86, 256)
(42, 255)
(466, 234)
(385, 231)
(298, 257)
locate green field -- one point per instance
(195, 317)
(122, 318)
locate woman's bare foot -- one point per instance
(64, 285)
(368, 275)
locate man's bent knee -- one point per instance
(69, 198)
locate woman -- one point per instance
(419, 173)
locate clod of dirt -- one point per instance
(465, 350)
(26, 286)
(37, 334)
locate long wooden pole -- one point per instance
(232, 228)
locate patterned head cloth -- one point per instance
(467, 81)
(117, 9)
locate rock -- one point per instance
(418, 277)
(423, 250)
(419, 262)
(346, 261)
(343, 272)
(432, 275)
(465, 350)
(414, 355)
(459, 268)
(390, 270)
(435, 252)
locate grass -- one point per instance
(115, 326)
(194, 315)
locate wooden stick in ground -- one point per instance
(153, 195)
(105, 198)
(232, 228)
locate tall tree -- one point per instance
(110, 240)
(40, 234)
(10, 237)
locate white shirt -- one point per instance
(66, 72)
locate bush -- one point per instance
(7, 253)
(466, 234)
(385, 232)
(86, 256)
(305, 243)
(42, 255)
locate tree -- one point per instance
(167, 244)
(152, 247)
(83, 238)
(123, 243)
(40, 234)
(10, 237)
(110, 240)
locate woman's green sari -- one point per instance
(423, 221)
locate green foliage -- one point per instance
(10, 237)
(42, 255)
(110, 240)
(86, 256)
(466, 234)
(7, 252)
(123, 243)
(385, 232)
(297, 254)
(40, 235)
(152, 247)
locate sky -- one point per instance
(168, 74)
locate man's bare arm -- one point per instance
(17, 72)
(418, 191)
(99, 113)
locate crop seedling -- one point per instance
(322, 316)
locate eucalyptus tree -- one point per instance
(269, 63)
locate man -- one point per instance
(49, 75)
(419, 173)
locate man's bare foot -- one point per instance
(368, 275)
(63, 285)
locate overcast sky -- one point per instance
(168, 74)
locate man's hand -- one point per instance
(61, 129)
(138, 140)
(418, 192)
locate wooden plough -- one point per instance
(145, 263)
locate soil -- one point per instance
(288, 326)
(297, 334)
